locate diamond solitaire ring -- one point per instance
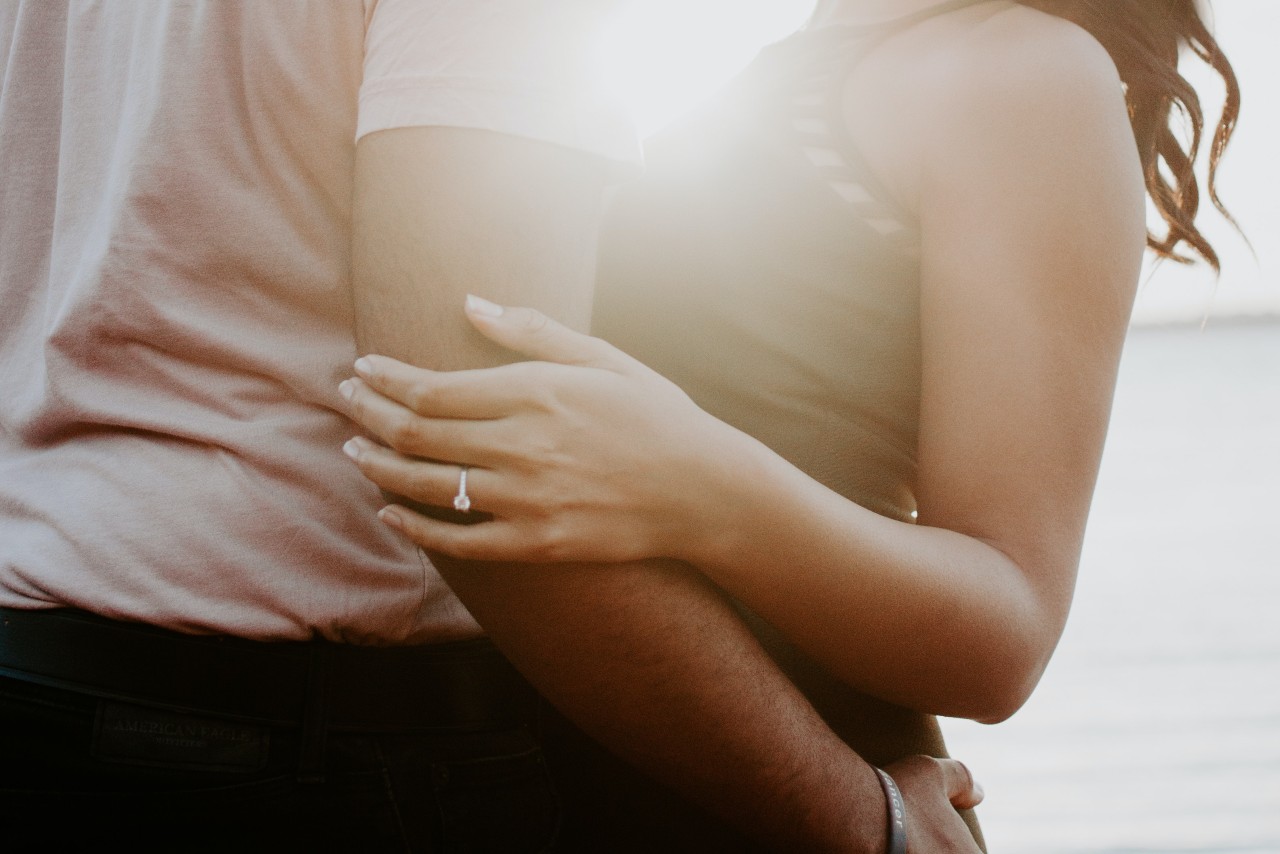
(462, 501)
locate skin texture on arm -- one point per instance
(1023, 170)
(646, 657)
(1030, 198)
(1010, 138)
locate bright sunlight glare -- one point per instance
(661, 57)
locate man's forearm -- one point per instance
(650, 660)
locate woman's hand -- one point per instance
(586, 455)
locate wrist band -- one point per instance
(897, 814)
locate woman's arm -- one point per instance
(1031, 206)
(647, 657)
(1030, 198)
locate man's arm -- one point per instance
(647, 658)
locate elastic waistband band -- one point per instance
(458, 686)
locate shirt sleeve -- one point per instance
(522, 67)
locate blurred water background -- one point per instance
(1157, 726)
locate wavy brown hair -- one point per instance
(1145, 39)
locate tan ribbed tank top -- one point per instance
(759, 265)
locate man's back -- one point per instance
(176, 311)
(176, 181)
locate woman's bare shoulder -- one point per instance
(990, 74)
(1016, 54)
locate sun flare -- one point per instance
(662, 57)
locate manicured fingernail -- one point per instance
(347, 388)
(352, 449)
(391, 518)
(364, 366)
(481, 306)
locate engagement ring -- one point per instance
(461, 501)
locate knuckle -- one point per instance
(535, 321)
(415, 485)
(443, 541)
(357, 407)
(418, 396)
(371, 467)
(914, 765)
(932, 766)
(544, 452)
(549, 399)
(461, 549)
(603, 350)
(404, 432)
(549, 544)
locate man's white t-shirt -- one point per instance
(175, 304)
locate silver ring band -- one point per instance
(462, 501)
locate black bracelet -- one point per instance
(897, 814)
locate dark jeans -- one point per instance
(80, 770)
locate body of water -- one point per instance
(1157, 726)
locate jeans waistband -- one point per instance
(456, 686)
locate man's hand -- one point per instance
(933, 789)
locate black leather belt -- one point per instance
(457, 686)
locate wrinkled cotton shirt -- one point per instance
(175, 303)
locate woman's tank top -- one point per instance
(760, 265)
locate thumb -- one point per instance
(962, 790)
(532, 333)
